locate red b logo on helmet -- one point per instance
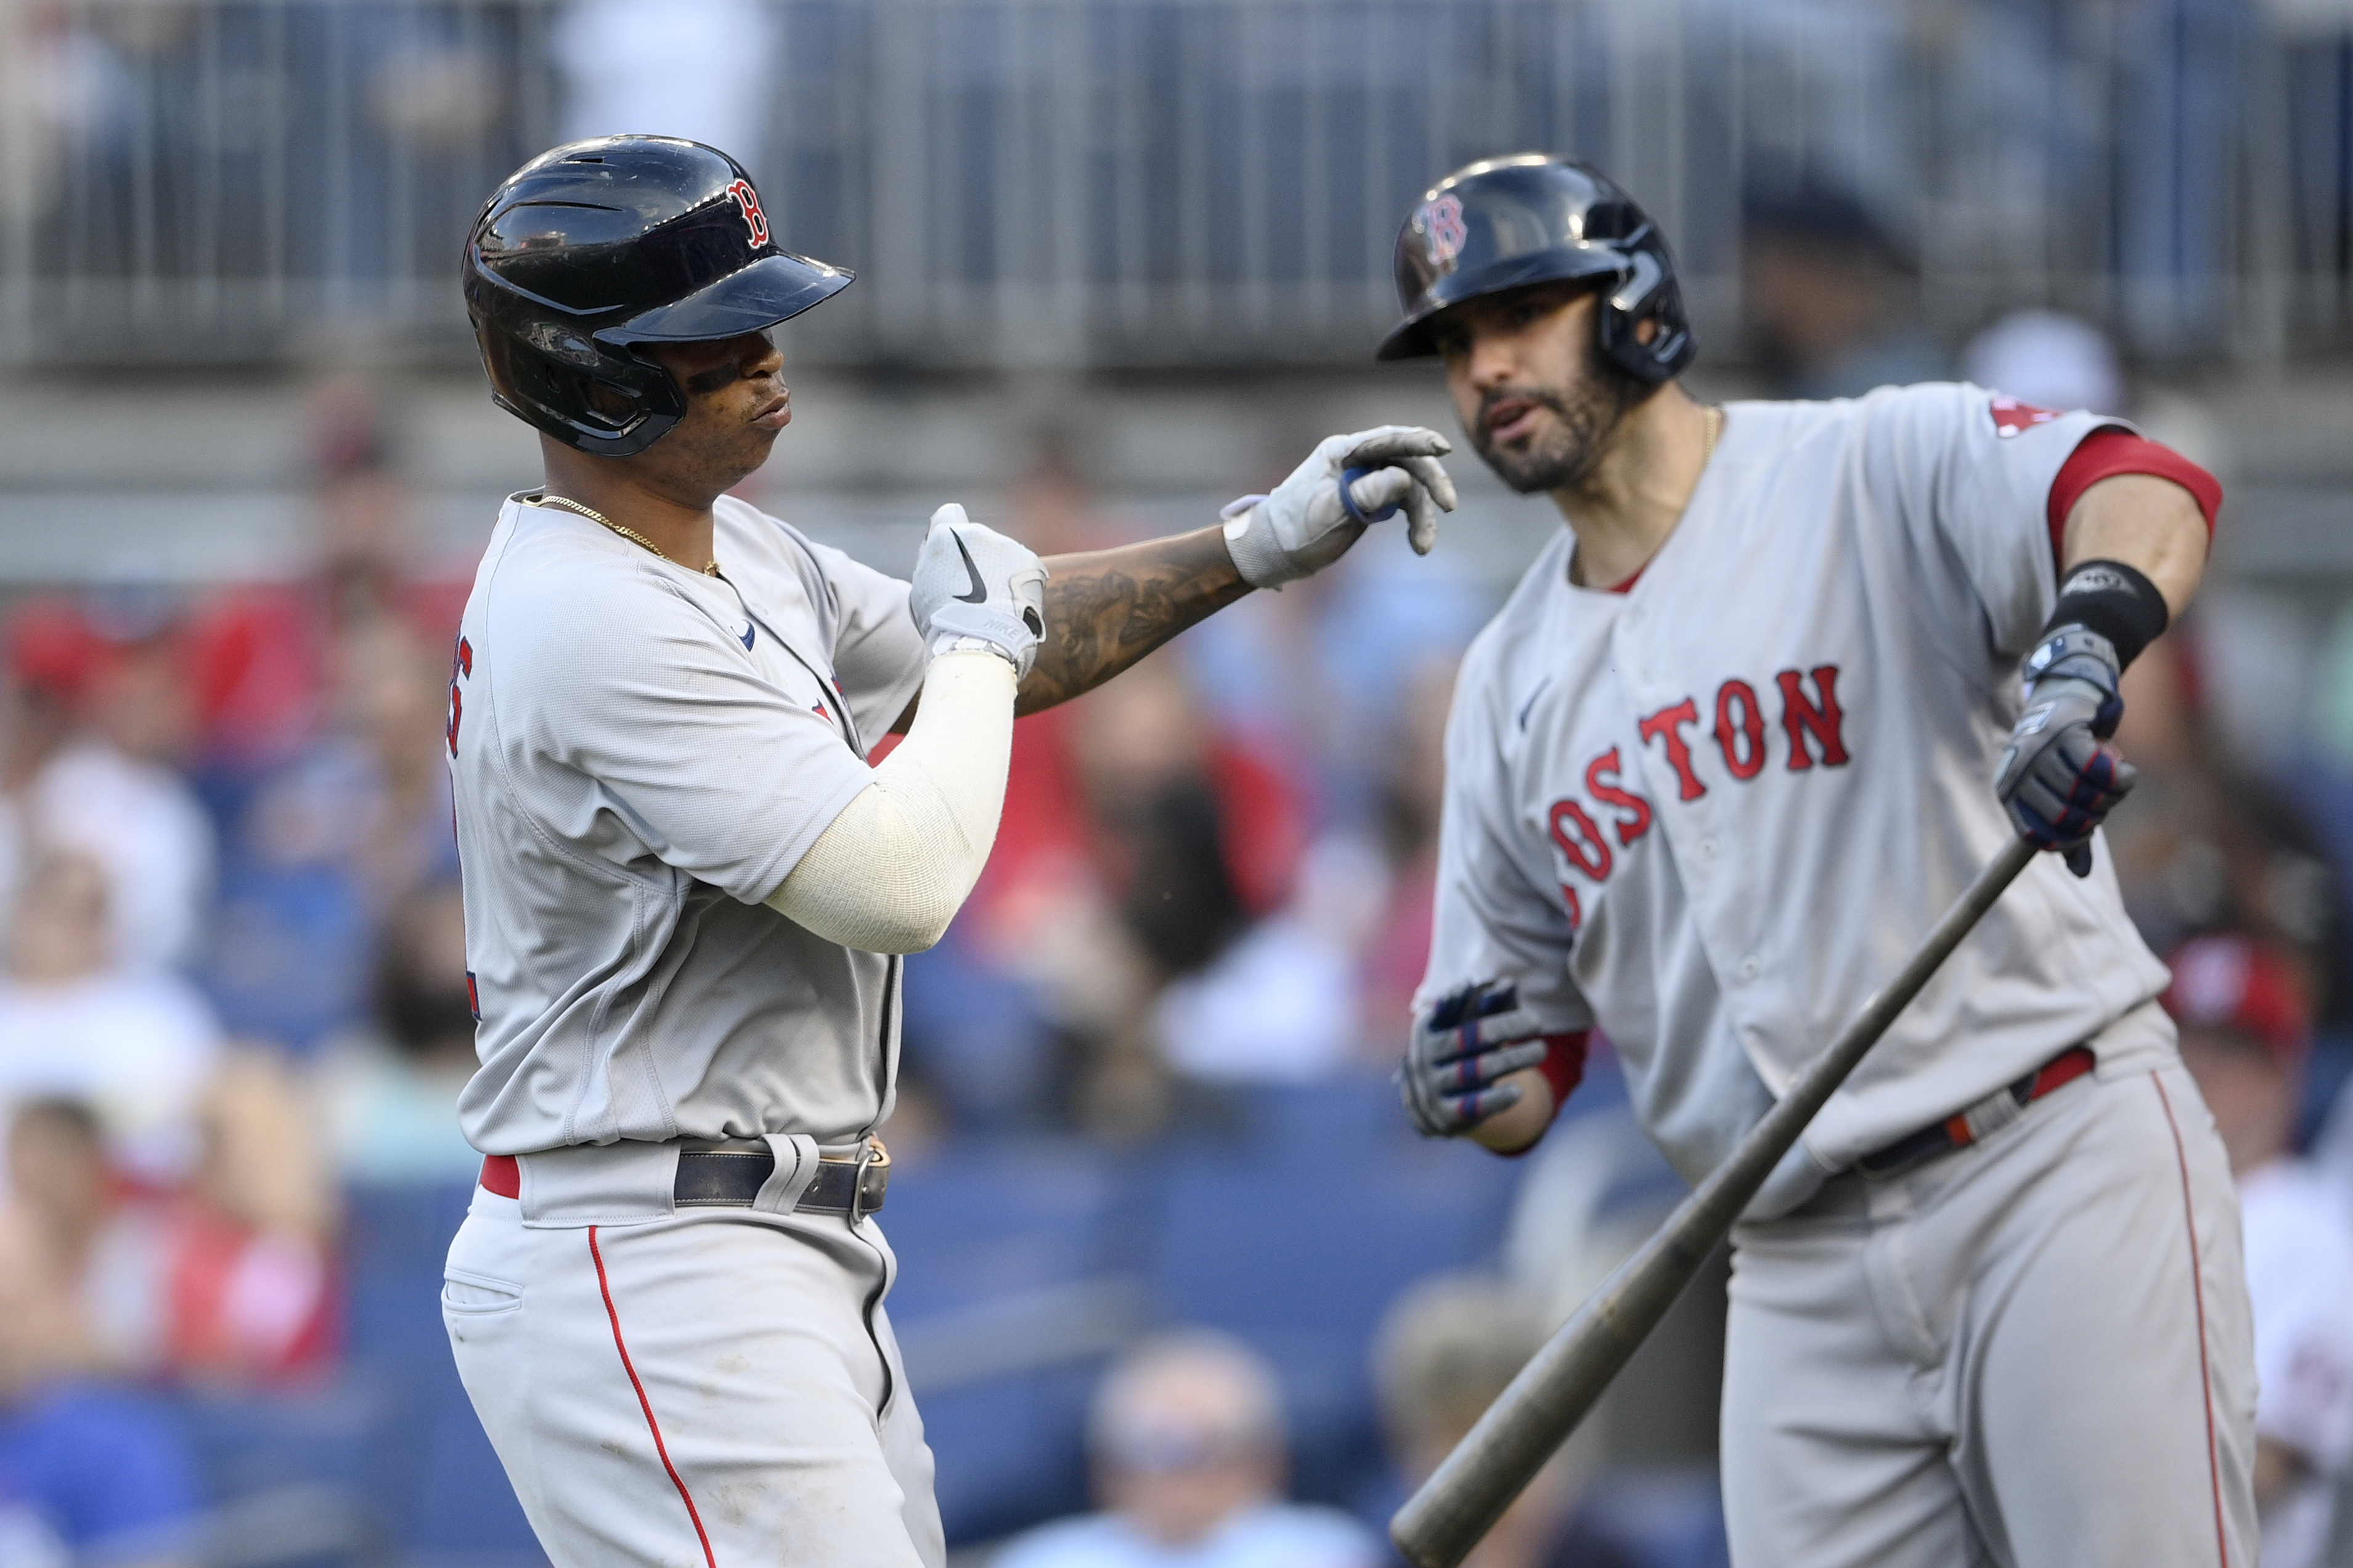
(753, 218)
(1442, 227)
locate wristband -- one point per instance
(2114, 600)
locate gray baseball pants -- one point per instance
(699, 1391)
(2035, 1352)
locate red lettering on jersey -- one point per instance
(1802, 718)
(1741, 739)
(461, 664)
(1606, 791)
(1575, 910)
(1666, 725)
(1589, 851)
(2011, 416)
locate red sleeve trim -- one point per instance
(1563, 1069)
(2105, 453)
(1563, 1065)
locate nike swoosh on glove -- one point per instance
(1346, 483)
(974, 583)
(2058, 778)
(1469, 1040)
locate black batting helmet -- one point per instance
(597, 247)
(1505, 223)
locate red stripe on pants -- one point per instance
(2198, 1294)
(605, 1288)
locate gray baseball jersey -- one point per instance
(640, 756)
(1714, 813)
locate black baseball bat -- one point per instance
(1530, 1419)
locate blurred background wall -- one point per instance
(1119, 261)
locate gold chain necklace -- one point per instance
(631, 534)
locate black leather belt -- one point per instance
(729, 1176)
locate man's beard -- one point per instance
(1566, 455)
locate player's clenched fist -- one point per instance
(974, 586)
(1460, 1051)
(2058, 778)
(1346, 483)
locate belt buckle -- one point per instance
(876, 1157)
(872, 1156)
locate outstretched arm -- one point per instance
(1107, 608)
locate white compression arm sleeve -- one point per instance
(892, 869)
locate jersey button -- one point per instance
(1751, 967)
(1708, 848)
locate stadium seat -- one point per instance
(442, 1496)
(289, 1475)
(1006, 1300)
(1298, 1233)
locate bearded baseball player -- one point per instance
(1793, 673)
(687, 892)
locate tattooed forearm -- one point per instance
(1108, 608)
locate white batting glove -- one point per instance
(1346, 483)
(975, 588)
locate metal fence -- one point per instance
(1074, 183)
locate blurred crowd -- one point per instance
(233, 981)
(343, 146)
(233, 996)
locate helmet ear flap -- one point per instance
(1645, 291)
(614, 407)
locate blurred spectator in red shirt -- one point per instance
(252, 1283)
(139, 1046)
(1140, 841)
(91, 1473)
(94, 721)
(2247, 1036)
(260, 653)
(228, 1281)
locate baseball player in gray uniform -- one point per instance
(1791, 676)
(687, 892)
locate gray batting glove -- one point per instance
(2057, 779)
(1346, 483)
(974, 586)
(1472, 1039)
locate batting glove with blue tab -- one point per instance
(2058, 778)
(1346, 483)
(975, 587)
(1469, 1040)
